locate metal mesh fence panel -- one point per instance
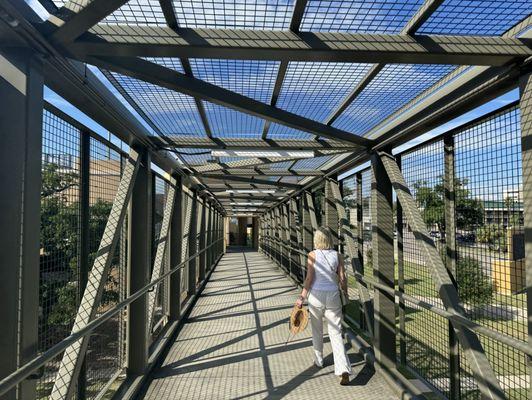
(187, 205)
(488, 265)
(366, 223)
(490, 243)
(104, 358)
(159, 202)
(349, 195)
(425, 333)
(59, 237)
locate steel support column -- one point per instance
(360, 241)
(193, 244)
(84, 238)
(330, 212)
(401, 278)
(525, 105)
(139, 267)
(383, 264)
(483, 373)
(21, 91)
(202, 213)
(175, 238)
(450, 258)
(312, 210)
(285, 235)
(294, 243)
(208, 234)
(186, 218)
(278, 239)
(161, 251)
(308, 223)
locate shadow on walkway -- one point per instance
(233, 344)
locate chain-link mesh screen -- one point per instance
(59, 239)
(489, 260)
(490, 243)
(160, 313)
(367, 252)
(62, 270)
(425, 333)
(105, 353)
(350, 195)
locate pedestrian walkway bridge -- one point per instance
(141, 141)
(232, 346)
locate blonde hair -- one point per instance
(323, 239)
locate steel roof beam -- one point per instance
(267, 172)
(244, 163)
(193, 142)
(153, 41)
(232, 178)
(78, 21)
(295, 23)
(165, 77)
(169, 13)
(421, 16)
(248, 198)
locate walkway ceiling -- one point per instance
(336, 78)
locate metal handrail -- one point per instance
(27, 369)
(453, 317)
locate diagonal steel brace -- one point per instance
(66, 378)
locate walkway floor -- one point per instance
(233, 346)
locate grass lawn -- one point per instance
(427, 333)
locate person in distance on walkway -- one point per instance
(323, 283)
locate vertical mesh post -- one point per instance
(175, 239)
(192, 244)
(450, 257)
(202, 238)
(383, 265)
(329, 211)
(139, 261)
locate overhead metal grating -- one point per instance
(311, 163)
(476, 17)
(393, 87)
(195, 156)
(169, 111)
(253, 79)
(373, 16)
(236, 14)
(278, 131)
(313, 90)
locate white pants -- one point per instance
(328, 304)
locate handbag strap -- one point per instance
(336, 273)
(331, 268)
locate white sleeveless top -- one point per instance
(325, 270)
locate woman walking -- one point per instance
(325, 278)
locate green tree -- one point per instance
(474, 285)
(59, 236)
(469, 211)
(493, 235)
